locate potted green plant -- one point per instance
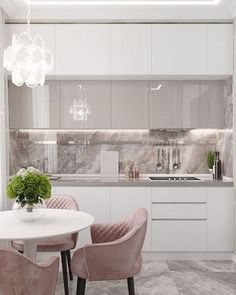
(210, 160)
(29, 188)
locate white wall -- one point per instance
(3, 127)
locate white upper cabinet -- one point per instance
(130, 49)
(136, 49)
(83, 49)
(47, 31)
(179, 49)
(220, 49)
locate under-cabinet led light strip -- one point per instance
(129, 2)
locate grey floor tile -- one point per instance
(170, 278)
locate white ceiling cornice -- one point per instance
(9, 6)
(16, 11)
(232, 8)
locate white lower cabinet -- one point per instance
(220, 219)
(179, 235)
(125, 200)
(181, 219)
(192, 219)
(92, 200)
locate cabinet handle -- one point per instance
(179, 203)
(179, 219)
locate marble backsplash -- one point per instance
(70, 152)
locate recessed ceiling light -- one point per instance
(127, 2)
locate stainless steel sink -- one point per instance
(174, 178)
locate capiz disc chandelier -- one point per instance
(27, 58)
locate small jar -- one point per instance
(127, 165)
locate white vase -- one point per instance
(28, 212)
(210, 170)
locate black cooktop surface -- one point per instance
(173, 178)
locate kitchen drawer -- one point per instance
(179, 235)
(179, 194)
(179, 211)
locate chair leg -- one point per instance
(130, 282)
(64, 270)
(68, 255)
(81, 284)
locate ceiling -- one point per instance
(121, 10)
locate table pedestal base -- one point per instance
(30, 247)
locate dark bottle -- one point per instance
(218, 168)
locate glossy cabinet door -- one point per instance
(47, 31)
(190, 93)
(179, 49)
(83, 49)
(165, 105)
(187, 104)
(125, 200)
(212, 104)
(129, 104)
(98, 98)
(220, 49)
(31, 108)
(130, 49)
(220, 219)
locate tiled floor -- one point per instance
(171, 278)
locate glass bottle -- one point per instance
(218, 166)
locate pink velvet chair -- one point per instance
(115, 253)
(20, 276)
(61, 244)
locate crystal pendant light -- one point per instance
(80, 108)
(27, 58)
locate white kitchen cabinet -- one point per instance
(179, 219)
(125, 200)
(179, 211)
(179, 195)
(47, 31)
(92, 200)
(179, 49)
(220, 49)
(179, 235)
(130, 49)
(129, 104)
(212, 104)
(220, 223)
(98, 98)
(83, 49)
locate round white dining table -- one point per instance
(53, 223)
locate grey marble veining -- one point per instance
(170, 278)
(79, 152)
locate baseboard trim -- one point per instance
(189, 256)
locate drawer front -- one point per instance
(179, 194)
(179, 211)
(179, 235)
